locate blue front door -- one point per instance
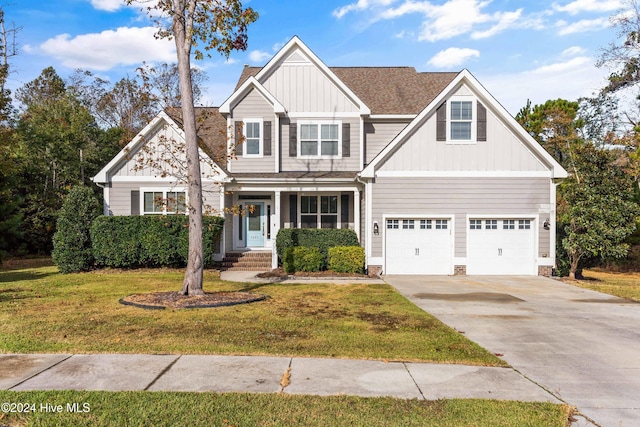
(254, 224)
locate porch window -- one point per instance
(163, 202)
(319, 139)
(319, 210)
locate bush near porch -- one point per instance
(321, 238)
(346, 259)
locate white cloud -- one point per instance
(573, 51)
(108, 5)
(453, 57)
(582, 26)
(259, 56)
(105, 50)
(506, 21)
(578, 6)
(560, 67)
(360, 5)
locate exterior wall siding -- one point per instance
(295, 164)
(254, 106)
(460, 197)
(120, 195)
(502, 151)
(378, 135)
(304, 88)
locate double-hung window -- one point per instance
(319, 139)
(253, 137)
(163, 202)
(461, 121)
(319, 210)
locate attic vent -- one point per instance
(296, 58)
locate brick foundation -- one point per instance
(374, 270)
(545, 270)
(459, 270)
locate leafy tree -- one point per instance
(596, 213)
(195, 25)
(72, 250)
(554, 125)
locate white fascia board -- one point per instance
(463, 174)
(295, 42)
(132, 146)
(251, 83)
(465, 77)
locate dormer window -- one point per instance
(253, 137)
(461, 120)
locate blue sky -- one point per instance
(519, 50)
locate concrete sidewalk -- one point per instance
(120, 372)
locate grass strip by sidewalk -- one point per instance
(42, 311)
(623, 285)
(265, 410)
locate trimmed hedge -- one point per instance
(302, 258)
(72, 251)
(346, 259)
(150, 241)
(321, 238)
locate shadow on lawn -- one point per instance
(9, 276)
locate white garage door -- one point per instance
(418, 246)
(500, 246)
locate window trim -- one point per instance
(260, 140)
(319, 124)
(473, 122)
(164, 191)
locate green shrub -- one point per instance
(150, 241)
(302, 258)
(346, 259)
(72, 251)
(321, 238)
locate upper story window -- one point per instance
(461, 120)
(319, 139)
(253, 137)
(163, 202)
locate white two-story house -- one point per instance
(428, 169)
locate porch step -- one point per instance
(247, 261)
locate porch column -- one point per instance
(275, 226)
(356, 212)
(224, 224)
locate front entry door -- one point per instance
(254, 224)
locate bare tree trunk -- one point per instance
(192, 284)
(573, 269)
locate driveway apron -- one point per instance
(580, 345)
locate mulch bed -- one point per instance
(162, 300)
(280, 273)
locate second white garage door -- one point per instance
(418, 246)
(500, 246)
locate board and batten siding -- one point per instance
(378, 135)
(304, 88)
(502, 151)
(254, 106)
(461, 197)
(295, 164)
(120, 195)
(137, 163)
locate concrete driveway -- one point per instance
(580, 345)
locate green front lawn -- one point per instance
(46, 312)
(236, 409)
(624, 285)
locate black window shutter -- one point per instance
(266, 139)
(346, 140)
(135, 202)
(293, 210)
(344, 213)
(293, 140)
(481, 134)
(441, 122)
(238, 138)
